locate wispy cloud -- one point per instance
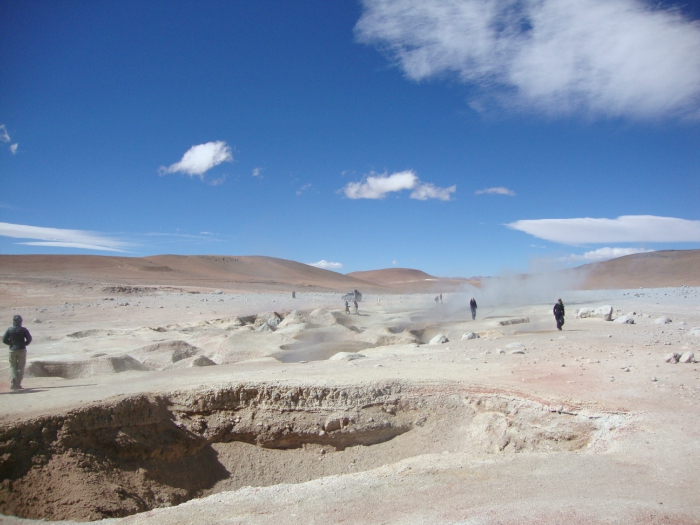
(218, 181)
(61, 238)
(303, 188)
(495, 191)
(4, 136)
(628, 228)
(199, 159)
(606, 58)
(13, 148)
(602, 254)
(378, 186)
(326, 265)
(257, 172)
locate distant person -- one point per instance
(440, 298)
(347, 307)
(17, 337)
(437, 300)
(559, 313)
(472, 305)
(357, 308)
(294, 295)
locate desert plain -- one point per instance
(172, 390)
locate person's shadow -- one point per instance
(31, 390)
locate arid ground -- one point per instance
(171, 390)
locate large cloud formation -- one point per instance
(606, 58)
(201, 158)
(627, 228)
(56, 237)
(378, 186)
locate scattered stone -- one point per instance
(501, 351)
(439, 339)
(517, 351)
(602, 312)
(624, 319)
(347, 356)
(265, 327)
(662, 320)
(654, 379)
(686, 357)
(218, 292)
(515, 320)
(672, 357)
(36, 320)
(470, 335)
(202, 360)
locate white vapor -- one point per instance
(326, 265)
(607, 58)
(201, 158)
(495, 191)
(13, 148)
(61, 238)
(628, 228)
(602, 254)
(257, 172)
(377, 187)
(4, 137)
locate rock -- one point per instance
(439, 339)
(501, 351)
(694, 332)
(202, 360)
(602, 312)
(265, 327)
(335, 423)
(218, 292)
(654, 379)
(347, 356)
(624, 319)
(687, 357)
(517, 351)
(672, 357)
(470, 335)
(662, 320)
(515, 320)
(36, 320)
(293, 317)
(515, 345)
(271, 318)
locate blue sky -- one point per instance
(461, 138)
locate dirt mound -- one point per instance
(160, 355)
(89, 367)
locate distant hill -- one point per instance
(218, 271)
(650, 270)
(412, 281)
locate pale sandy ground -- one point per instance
(640, 462)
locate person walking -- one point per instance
(17, 338)
(440, 298)
(437, 300)
(559, 313)
(357, 308)
(472, 305)
(347, 307)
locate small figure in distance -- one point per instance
(437, 300)
(347, 307)
(472, 305)
(17, 338)
(357, 308)
(440, 298)
(558, 311)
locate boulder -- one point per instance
(687, 357)
(271, 318)
(624, 319)
(672, 357)
(470, 335)
(662, 320)
(439, 339)
(265, 327)
(602, 312)
(347, 356)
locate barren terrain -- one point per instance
(216, 397)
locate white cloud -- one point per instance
(425, 191)
(61, 238)
(201, 158)
(218, 181)
(303, 188)
(628, 228)
(603, 254)
(495, 191)
(257, 172)
(394, 262)
(601, 57)
(13, 148)
(377, 187)
(4, 137)
(326, 265)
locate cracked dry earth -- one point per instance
(589, 425)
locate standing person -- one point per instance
(357, 308)
(437, 300)
(347, 307)
(558, 311)
(17, 337)
(440, 298)
(472, 305)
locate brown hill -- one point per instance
(239, 272)
(650, 270)
(412, 281)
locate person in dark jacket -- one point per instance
(472, 305)
(558, 311)
(17, 338)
